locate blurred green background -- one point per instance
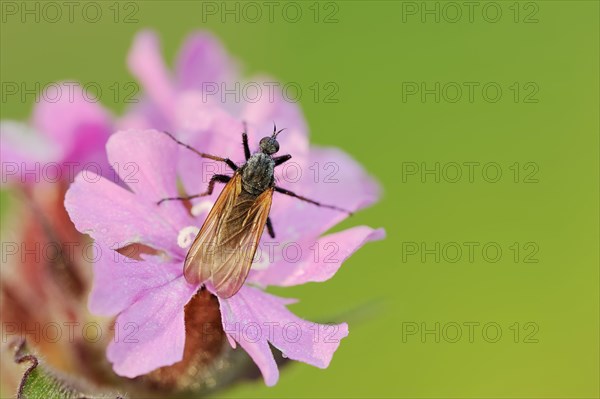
(543, 56)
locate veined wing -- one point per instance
(223, 250)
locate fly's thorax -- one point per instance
(257, 173)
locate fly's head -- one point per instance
(269, 145)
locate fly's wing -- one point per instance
(223, 250)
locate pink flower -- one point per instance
(179, 103)
(67, 133)
(149, 295)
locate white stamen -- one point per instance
(261, 264)
(201, 207)
(186, 236)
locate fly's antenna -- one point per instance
(279, 131)
(275, 131)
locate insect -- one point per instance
(223, 251)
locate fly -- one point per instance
(224, 248)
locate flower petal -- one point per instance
(333, 178)
(255, 318)
(76, 121)
(211, 130)
(23, 151)
(235, 311)
(151, 332)
(116, 217)
(203, 60)
(147, 162)
(271, 107)
(143, 115)
(120, 281)
(146, 64)
(320, 260)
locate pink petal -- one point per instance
(332, 177)
(320, 260)
(135, 120)
(146, 161)
(151, 332)
(23, 152)
(208, 129)
(144, 115)
(274, 107)
(202, 59)
(146, 64)
(120, 281)
(254, 318)
(237, 316)
(116, 217)
(213, 129)
(74, 119)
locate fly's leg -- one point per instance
(270, 228)
(209, 191)
(292, 194)
(228, 161)
(281, 159)
(245, 142)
